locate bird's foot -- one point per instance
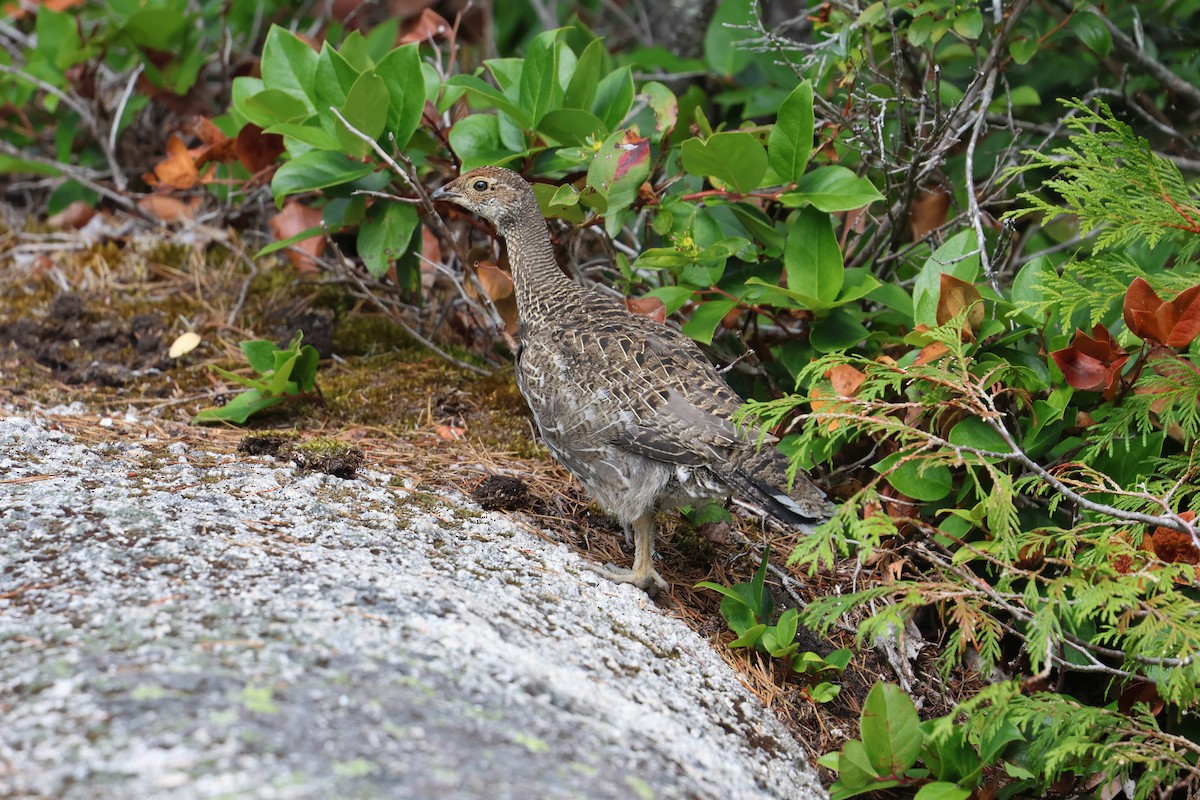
(649, 581)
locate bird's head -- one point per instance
(499, 195)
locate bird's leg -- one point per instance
(643, 575)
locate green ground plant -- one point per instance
(284, 374)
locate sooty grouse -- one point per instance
(630, 406)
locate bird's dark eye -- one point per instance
(480, 186)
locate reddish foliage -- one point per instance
(296, 218)
(651, 307)
(1092, 362)
(1174, 323)
(1175, 546)
(257, 150)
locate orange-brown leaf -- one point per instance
(168, 209)
(928, 211)
(650, 307)
(1185, 314)
(846, 379)
(1092, 362)
(1175, 546)
(178, 170)
(428, 25)
(257, 150)
(931, 352)
(293, 219)
(956, 295)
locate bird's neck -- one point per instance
(541, 288)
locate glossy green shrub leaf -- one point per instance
(476, 141)
(1092, 31)
(383, 239)
(812, 258)
(581, 88)
(478, 88)
(734, 159)
(333, 78)
(969, 23)
(540, 90)
(974, 432)
(958, 256)
(890, 730)
(1022, 49)
(833, 188)
(838, 331)
(272, 106)
(571, 126)
(916, 477)
(614, 97)
(308, 134)
(791, 139)
(706, 319)
(721, 50)
(289, 64)
(316, 169)
(665, 107)
(366, 109)
(618, 171)
(401, 73)
(942, 790)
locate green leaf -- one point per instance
(272, 106)
(1023, 49)
(305, 134)
(366, 108)
(974, 432)
(1092, 31)
(958, 256)
(383, 239)
(969, 24)
(890, 729)
(735, 159)
(540, 90)
(316, 169)
(401, 73)
(722, 52)
(289, 64)
(581, 89)
(704, 321)
(750, 638)
(838, 331)
(618, 171)
(856, 769)
(832, 188)
(665, 106)
(941, 790)
(813, 259)
(614, 97)
(485, 91)
(157, 28)
(305, 371)
(308, 233)
(791, 139)
(917, 478)
(476, 141)
(239, 409)
(571, 126)
(260, 353)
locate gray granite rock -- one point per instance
(182, 624)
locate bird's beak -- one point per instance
(445, 193)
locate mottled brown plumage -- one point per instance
(630, 406)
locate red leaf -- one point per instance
(1140, 311)
(1091, 362)
(1186, 325)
